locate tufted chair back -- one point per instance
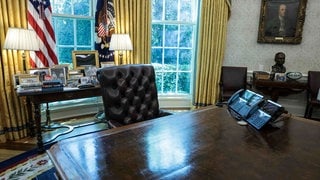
(129, 93)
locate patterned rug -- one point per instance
(37, 166)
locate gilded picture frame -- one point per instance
(80, 59)
(281, 21)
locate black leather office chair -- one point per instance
(129, 94)
(232, 79)
(312, 92)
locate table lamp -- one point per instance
(120, 42)
(21, 39)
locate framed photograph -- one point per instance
(75, 76)
(58, 73)
(66, 68)
(83, 58)
(107, 64)
(281, 21)
(280, 77)
(90, 71)
(42, 72)
(29, 79)
(15, 80)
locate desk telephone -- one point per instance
(253, 108)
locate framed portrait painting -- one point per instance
(281, 21)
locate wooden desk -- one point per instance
(275, 88)
(37, 98)
(203, 144)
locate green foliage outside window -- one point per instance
(172, 38)
(173, 47)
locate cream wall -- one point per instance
(243, 49)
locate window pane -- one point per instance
(156, 55)
(186, 10)
(81, 7)
(62, 7)
(185, 57)
(157, 6)
(65, 55)
(159, 80)
(184, 82)
(171, 36)
(170, 57)
(173, 43)
(64, 31)
(171, 9)
(84, 32)
(169, 84)
(186, 35)
(157, 34)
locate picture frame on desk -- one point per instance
(74, 76)
(84, 58)
(280, 77)
(90, 70)
(288, 30)
(58, 73)
(107, 64)
(15, 80)
(28, 79)
(66, 68)
(42, 72)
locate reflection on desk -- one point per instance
(203, 144)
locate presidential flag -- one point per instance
(39, 18)
(104, 27)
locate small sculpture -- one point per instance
(279, 67)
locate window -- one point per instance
(73, 23)
(173, 44)
(72, 20)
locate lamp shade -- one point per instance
(120, 42)
(21, 39)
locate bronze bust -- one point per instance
(279, 67)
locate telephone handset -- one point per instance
(251, 107)
(244, 101)
(267, 112)
(235, 96)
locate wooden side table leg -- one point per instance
(37, 117)
(30, 117)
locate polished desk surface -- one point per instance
(202, 144)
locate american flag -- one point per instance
(39, 19)
(101, 30)
(104, 26)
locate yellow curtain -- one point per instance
(211, 47)
(13, 118)
(134, 18)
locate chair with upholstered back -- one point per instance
(129, 94)
(232, 79)
(312, 92)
